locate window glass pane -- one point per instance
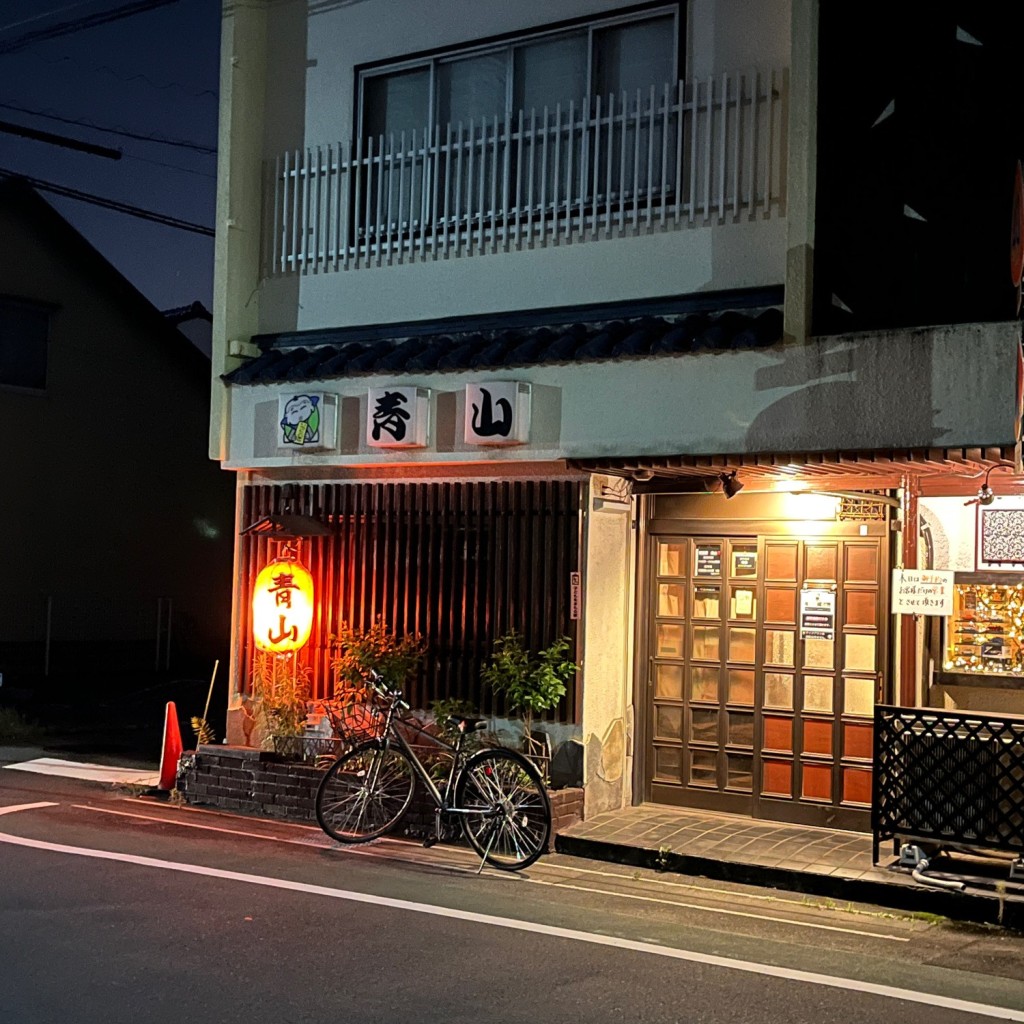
(742, 644)
(708, 560)
(861, 563)
(818, 693)
(821, 561)
(706, 602)
(703, 683)
(858, 741)
(472, 88)
(859, 696)
(778, 647)
(778, 690)
(817, 737)
(778, 733)
(670, 641)
(668, 763)
(550, 72)
(780, 605)
(856, 786)
(23, 343)
(777, 778)
(741, 686)
(860, 607)
(860, 653)
(705, 643)
(668, 681)
(670, 599)
(780, 562)
(741, 729)
(817, 782)
(396, 103)
(744, 560)
(631, 57)
(671, 558)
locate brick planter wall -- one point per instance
(259, 782)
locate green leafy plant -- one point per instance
(357, 652)
(16, 729)
(532, 684)
(282, 689)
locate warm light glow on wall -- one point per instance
(282, 607)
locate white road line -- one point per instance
(91, 772)
(569, 934)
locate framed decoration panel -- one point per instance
(1000, 535)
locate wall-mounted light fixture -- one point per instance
(731, 486)
(643, 475)
(986, 495)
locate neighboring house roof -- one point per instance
(196, 323)
(19, 200)
(498, 348)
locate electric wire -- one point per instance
(112, 204)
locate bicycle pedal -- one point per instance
(429, 842)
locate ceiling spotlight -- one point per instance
(730, 485)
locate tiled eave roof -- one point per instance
(621, 339)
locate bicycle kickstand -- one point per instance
(487, 852)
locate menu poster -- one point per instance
(709, 560)
(817, 614)
(744, 563)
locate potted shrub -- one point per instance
(282, 691)
(530, 683)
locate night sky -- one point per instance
(153, 74)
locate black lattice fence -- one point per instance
(950, 777)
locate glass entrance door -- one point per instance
(764, 669)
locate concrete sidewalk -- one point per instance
(816, 861)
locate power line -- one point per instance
(112, 204)
(80, 24)
(123, 132)
(58, 140)
(45, 14)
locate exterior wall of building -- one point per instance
(925, 388)
(109, 502)
(607, 666)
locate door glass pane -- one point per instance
(670, 641)
(778, 690)
(818, 694)
(860, 607)
(703, 768)
(668, 681)
(704, 726)
(668, 764)
(821, 561)
(741, 686)
(778, 647)
(777, 778)
(670, 599)
(780, 605)
(856, 786)
(741, 772)
(778, 733)
(858, 741)
(704, 683)
(740, 726)
(668, 723)
(743, 604)
(744, 561)
(860, 653)
(671, 558)
(859, 696)
(780, 562)
(706, 602)
(742, 644)
(705, 643)
(817, 782)
(861, 563)
(818, 653)
(817, 737)
(707, 559)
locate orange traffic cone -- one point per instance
(172, 749)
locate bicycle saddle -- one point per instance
(464, 724)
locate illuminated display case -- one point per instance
(985, 633)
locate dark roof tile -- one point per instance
(425, 353)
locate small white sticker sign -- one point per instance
(922, 591)
(397, 417)
(575, 595)
(497, 413)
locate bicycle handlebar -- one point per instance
(377, 683)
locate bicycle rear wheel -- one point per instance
(512, 829)
(365, 793)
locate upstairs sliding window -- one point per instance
(522, 126)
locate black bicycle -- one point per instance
(495, 794)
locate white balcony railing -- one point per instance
(704, 152)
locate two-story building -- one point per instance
(615, 320)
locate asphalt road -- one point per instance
(115, 908)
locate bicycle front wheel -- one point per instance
(365, 793)
(510, 819)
